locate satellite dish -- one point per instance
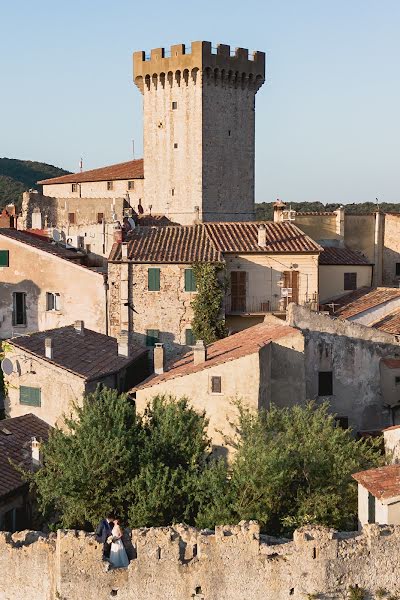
(56, 235)
(7, 366)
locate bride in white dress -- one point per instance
(118, 556)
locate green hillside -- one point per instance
(17, 176)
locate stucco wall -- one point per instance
(331, 279)
(391, 249)
(392, 444)
(318, 227)
(82, 294)
(181, 563)
(245, 378)
(59, 388)
(359, 234)
(263, 271)
(97, 189)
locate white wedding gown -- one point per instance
(118, 556)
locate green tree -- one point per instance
(293, 466)
(208, 324)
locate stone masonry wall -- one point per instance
(182, 563)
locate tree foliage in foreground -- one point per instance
(292, 467)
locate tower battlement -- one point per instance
(218, 63)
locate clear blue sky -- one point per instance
(327, 120)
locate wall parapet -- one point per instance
(182, 563)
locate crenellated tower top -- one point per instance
(220, 64)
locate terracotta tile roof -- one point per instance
(209, 241)
(154, 221)
(133, 169)
(383, 482)
(243, 237)
(389, 323)
(91, 356)
(168, 245)
(363, 299)
(16, 445)
(391, 428)
(235, 346)
(40, 243)
(342, 256)
(391, 363)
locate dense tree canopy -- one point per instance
(265, 210)
(208, 323)
(291, 467)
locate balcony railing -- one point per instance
(252, 305)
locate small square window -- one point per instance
(110, 185)
(342, 422)
(52, 301)
(397, 380)
(175, 145)
(350, 281)
(74, 187)
(30, 396)
(174, 105)
(325, 383)
(71, 218)
(131, 185)
(216, 386)
(398, 269)
(190, 340)
(152, 337)
(100, 217)
(4, 258)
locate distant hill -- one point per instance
(17, 176)
(265, 211)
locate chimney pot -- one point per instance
(199, 352)
(79, 327)
(123, 343)
(159, 358)
(118, 234)
(35, 448)
(48, 348)
(262, 235)
(124, 251)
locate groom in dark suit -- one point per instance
(103, 532)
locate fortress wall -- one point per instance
(182, 563)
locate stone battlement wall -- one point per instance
(182, 563)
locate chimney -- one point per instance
(279, 207)
(118, 234)
(199, 352)
(48, 348)
(36, 454)
(159, 357)
(262, 236)
(79, 327)
(124, 251)
(123, 343)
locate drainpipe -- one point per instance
(106, 286)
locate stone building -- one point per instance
(44, 285)
(375, 235)
(199, 130)
(152, 285)
(48, 372)
(318, 358)
(379, 495)
(20, 440)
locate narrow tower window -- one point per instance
(173, 192)
(174, 105)
(175, 145)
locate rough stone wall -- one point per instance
(353, 353)
(97, 189)
(182, 563)
(391, 249)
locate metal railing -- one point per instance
(252, 305)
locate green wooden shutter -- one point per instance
(4, 258)
(152, 336)
(153, 280)
(190, 340)
(29, 395)
(190, 281)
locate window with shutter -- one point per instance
(152, 337)
(71, 218)
(350, 281)
(4, 258)
(30, 396)
(190, 281)
(52, 301)
(216, 386)
(238, 291)
(190, 340)
(153, 280)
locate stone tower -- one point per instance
(199, 131)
